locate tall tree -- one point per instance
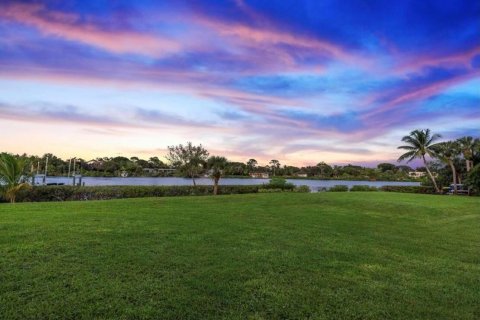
(216, 166)
(467, 146)
(12, 175)
(275, 164)
(251, 164)
(155, 162)
(447, 152)
(386, 167)
(418, 144)
(188, 158)
(325, 169)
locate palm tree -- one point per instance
(467, 147)
(275, 164)
(447, 152)
(251, 164)
(12, 175)
(216, 165)
(420, 143)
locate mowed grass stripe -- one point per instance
(271, 256)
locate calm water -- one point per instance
(131, 181)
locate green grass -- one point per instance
(259, 256)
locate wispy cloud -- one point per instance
(273, 79)
(71, 27)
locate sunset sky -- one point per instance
(297, 81)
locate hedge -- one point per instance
(264, 190)
(302, 189)
(69, 193)
(409, 189)
(339, 188)
(363, 188)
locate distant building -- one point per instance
(261, 175)
(416, 174)
(301, 175)
(150, 170)
(96, 164)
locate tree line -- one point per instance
(154, 167)
(455, 161)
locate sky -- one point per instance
(298, 81)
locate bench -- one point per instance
(460, 192)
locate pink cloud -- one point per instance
(268, 39)
(418, 94)
(67, 26)
(417, 62)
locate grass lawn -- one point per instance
(261, 256)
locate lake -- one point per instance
(170, 181)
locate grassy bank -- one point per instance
(272, 256)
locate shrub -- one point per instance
(279, 183)
(409, 189)
(302, 189)
(68, 193)
(339, 188)
(363, 188)
(263, 190)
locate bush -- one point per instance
(409, 189)
(363, 188)
(339, 188)
(69, 193)
(279, 183)
(263, 190)
(302, 189)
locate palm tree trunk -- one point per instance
(431, 175)
(454, 174)
(469, 165)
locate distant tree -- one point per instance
(236, 168)
(386, 167)
(290, 170)
(352, 170)
(325, 169)
(404, 168)
(188, 158)
(155, 162)
(275, 165)
(111, 167)
(251, 164)
(418, 144)
(216, 166)
(143, 163)
(12, 176)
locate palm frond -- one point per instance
(409, 156)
